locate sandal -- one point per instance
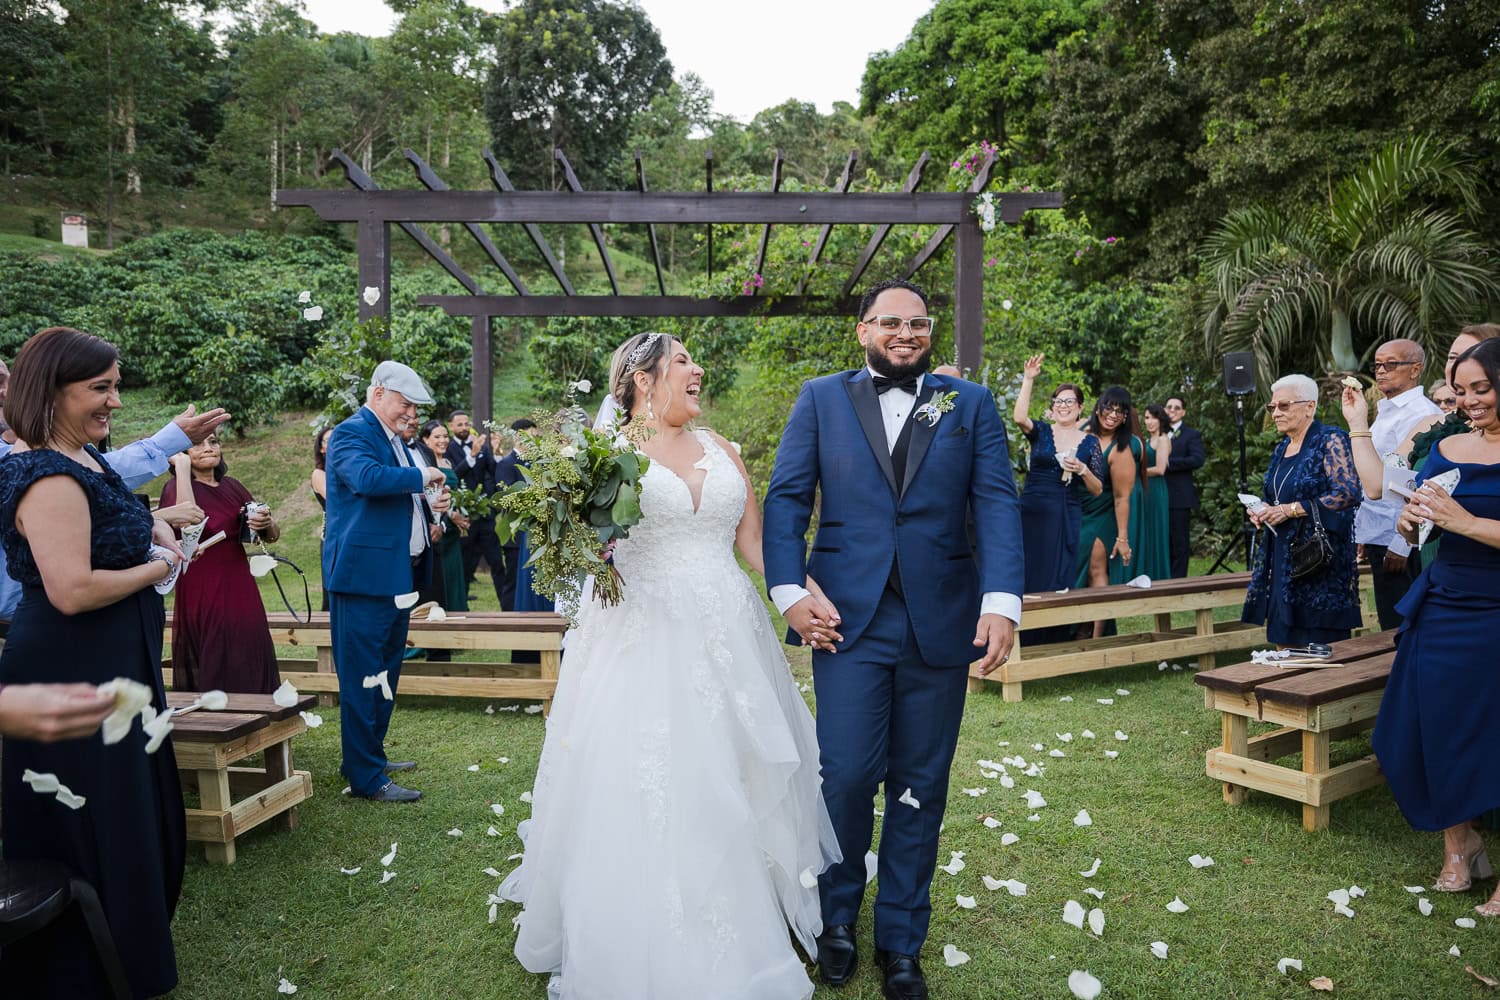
(1462, 869)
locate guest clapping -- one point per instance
(219, 635)
(82, 547)
(1310, 483)
(1434, 736)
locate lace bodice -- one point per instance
(672, 541)
(120, 525)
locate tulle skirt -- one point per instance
(678, 822)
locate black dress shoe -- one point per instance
(903, 976)
(392, 792)
(837, 954)
(391, 767)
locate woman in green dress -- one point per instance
(1112, 521)
(433, 441)
(1154, 558)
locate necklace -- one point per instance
(1278, 482)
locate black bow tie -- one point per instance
(907, 384)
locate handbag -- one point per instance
(1310, 552)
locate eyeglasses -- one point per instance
(920, 326)
(1064, 401)
(1283, 406)
(1115, 411)
(1446, 400)
(1385, 366)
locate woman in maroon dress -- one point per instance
(219, 634)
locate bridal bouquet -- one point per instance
(581, 492)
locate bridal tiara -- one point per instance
(635, 357)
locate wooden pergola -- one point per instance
(375, 210)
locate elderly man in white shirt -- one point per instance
(1404, 411)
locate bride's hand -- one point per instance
(833, 618)
(811, 618)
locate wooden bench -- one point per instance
(232, 800)
(1313, 707)
(495, 630)
(1201, 595)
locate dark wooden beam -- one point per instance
(368, 187)
(765, 233)
(1012, 206)
(373, 248)
(622, 207)
(594, 229)
(640, 183)
(845, 179)
(433, 182)
(482, 377)
(498, 178)
(881, 232)
(638, 305)
(968, 296)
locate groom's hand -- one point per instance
(995, 634)
(814, 621)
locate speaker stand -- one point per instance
(1246, 535)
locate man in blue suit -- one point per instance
(376, 546)
(903, 459)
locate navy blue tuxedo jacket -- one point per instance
(367, 538)
(835, 444)
(1186, 458)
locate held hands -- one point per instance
(198, 426)
(995, 634)
(1033, 367)
(50, 712)
(180, 515)
(814, 618)
(1356, 410)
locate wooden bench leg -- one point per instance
(279, 768)
(213, 795)
(551, 663)
(325, 666)
(976, 684)
(1010, 690)
(1314, 762)
(1237, 742)
(1205, 626)
(1164, 621)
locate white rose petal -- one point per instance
(492, 873)
(1096, 893)
(214, 701)
(130, 697)
(380, 680)
(473, 767)
(1338, 897)
(386, 876)
(1005, 304)
(1006, 839)
(1083, 818)
(351, 871)
(489, 710)
(1055, 753)
(1122, 692)
(492, 832)
(1088, 734)
(1351, 382)
(1119, 735)
(455, 832)
(1065, 737)
(1096, 921)
(1199, 861)
(404, 601)
(1074, 913)
(45, 784)
(955, 864)
(1177, 905)
(1342, 910)
(524, 796)
(502, 760)
(1289, 963)
(952, 957)
(312, 719)
(285, 987)
(1159, 949)
(1034, 818)
(494, 912)
(1105, 701)
(1083, 985)
(991, 822)
(1416, 888)
(567, 451)
(974, 793)
(1006, 781)
(1425, 906)
(965, 902)
(312, 313)
(66, 797)
(1091, 870)
(1467, 923)
(872, 865)
(907, 800)
(386, 861)
(157, 728)
(1454, 951)
(1038, 746)
(1355, 892)
(989, 774)
(372, 295)
(532, 710)
(808, 879)
(286, 696)
(1034, 799)
(1066, 697)
(1111, 754)
(583, 386)
(304, 297)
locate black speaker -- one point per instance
(1239, 373)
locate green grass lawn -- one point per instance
(285, 909)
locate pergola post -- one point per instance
(968, 296)
(373, 245)
(482, 381)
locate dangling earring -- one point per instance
(650, 413)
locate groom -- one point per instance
(902, 459)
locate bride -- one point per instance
(678, 820)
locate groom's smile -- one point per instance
(904, 351)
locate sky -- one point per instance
(751, 55)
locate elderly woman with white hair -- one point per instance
(1305, 585)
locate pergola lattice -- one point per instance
(375, 210)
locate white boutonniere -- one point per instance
(937, 404)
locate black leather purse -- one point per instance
(1311, 551)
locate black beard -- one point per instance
(883, 365)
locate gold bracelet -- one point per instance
(1360, 434)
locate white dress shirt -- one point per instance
(1395, 419)
(895, 407)
(408, 458)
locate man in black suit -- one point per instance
(504, 472)
(474, 461)
(1182, 496)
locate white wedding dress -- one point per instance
(678, 814)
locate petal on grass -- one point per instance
(1415, 889)
(1074, 913)
(1066, 697)
(1122, 692)
(386, 861)
(952, 957)
(991, 822)
(1084, 985)
(1159, 948)
(1055, 753)
(1121, 736)
(1096, 893)
(286, 987)
(473, 767)
(1355, 892)
(1424, 905)
(386, 876)
(351, 871)
(1342, 910)
(1454, 951)
(872, 865)
(1091, 870)
(1111, 754)
(1199, 861)
(1105, 701)
(525, 796)
(497, 809)
(965, 902)
(1083, 819)
(974, 793)
(312, 719)
(1467, 923)
(1065, 737)
(492, 832)
(1096, 921)
(1322, 984)
(1006, 839)
(1288, 963)
(455, 832)
(1338, 897)
(1034, 799)
(1088, 734)
(955, 863)
(1177, 905)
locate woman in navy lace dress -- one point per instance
(81, 545)
(1311, 473)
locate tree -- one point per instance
(816, 145)
(571, 74)
(1385, 258)
(970, 70)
